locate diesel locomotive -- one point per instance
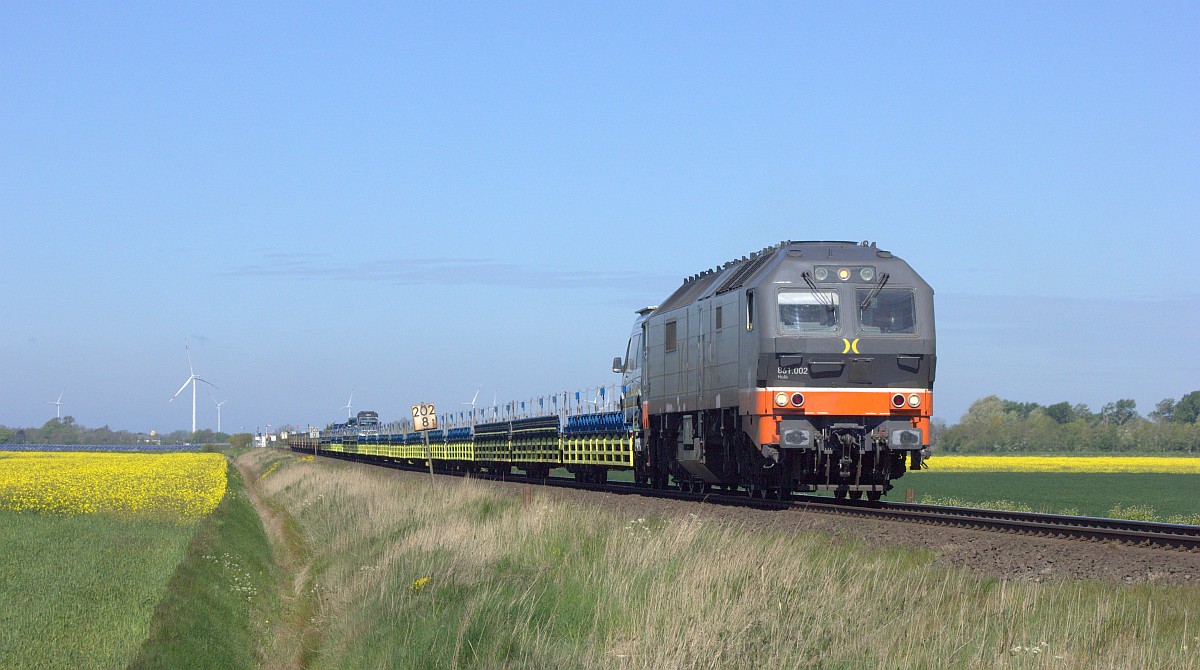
(805, 366)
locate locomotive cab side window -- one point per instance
(808, 312)
(670, 336)
(891, 310)
(633, 355)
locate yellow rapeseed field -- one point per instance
(1166, 464)
(180, 484)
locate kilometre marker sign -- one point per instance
(424, 417)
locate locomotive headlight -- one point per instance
(822, 274)
(867, 274)
(843, 273)
(781, 399)
(898, 400)
(797, 399)
(914, 400)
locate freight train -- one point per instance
(363, 423)
(805, 366)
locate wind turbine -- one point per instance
(218, 404)
(192, 379)
(472, 404)
(348, 406)
(58, 403)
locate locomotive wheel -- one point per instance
(874, 496)
(840, 494)
(658, 480)
(856, 495)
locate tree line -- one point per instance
(991, 425)
(995, 425)
(67, 431)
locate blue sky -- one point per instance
(413, 202)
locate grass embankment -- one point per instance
(219, 602)
(399, 575)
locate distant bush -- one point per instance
(995, 425)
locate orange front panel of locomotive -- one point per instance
(839, 402)
(768, 409)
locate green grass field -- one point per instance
(124, 590)
(1093, 494)
(80, 591)
(389, 573)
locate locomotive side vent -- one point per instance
(743, 273)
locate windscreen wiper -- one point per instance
(821, 297)
(883, 280)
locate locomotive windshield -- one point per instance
(890, 311)
(808, 311)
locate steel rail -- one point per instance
(1145, 533)
(1126, 531)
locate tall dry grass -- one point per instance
(402, 574)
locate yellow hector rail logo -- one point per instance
(850, 345)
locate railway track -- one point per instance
(1140, 533)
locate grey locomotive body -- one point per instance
(808, 365)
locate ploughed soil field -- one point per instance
(987, 554)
